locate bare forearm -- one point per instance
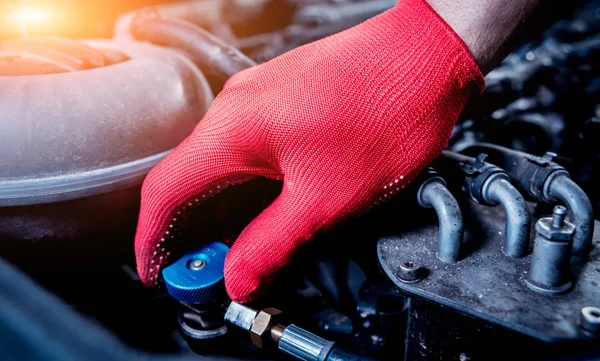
(493, 28)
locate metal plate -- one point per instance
(489, 285)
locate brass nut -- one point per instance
(261, 327)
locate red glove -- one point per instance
(345, 122)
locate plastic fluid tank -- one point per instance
(86, 118)
(81, 124)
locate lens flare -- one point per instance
(26, 17)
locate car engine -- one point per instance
(494, 249)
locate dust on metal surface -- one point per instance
(487, 284)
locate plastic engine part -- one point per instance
(197, 277)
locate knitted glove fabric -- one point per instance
(345, 122)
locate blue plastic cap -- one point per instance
(197, 277)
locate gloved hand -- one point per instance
(345, 122)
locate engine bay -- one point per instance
(494, 249)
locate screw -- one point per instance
(558, 216)
(590, 319)
(197, 265)
(409, 272)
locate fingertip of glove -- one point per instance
(242, 289)
(242, 282)
(148, 282)
(146, 253)
(145, 277)
(242, 295)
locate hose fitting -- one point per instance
(433, 193)
(542, 179)
(498, 190)
(489, 185)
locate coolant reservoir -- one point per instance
(83, 118)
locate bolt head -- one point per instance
(409, 272)
(590, 319)
(260, 331)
